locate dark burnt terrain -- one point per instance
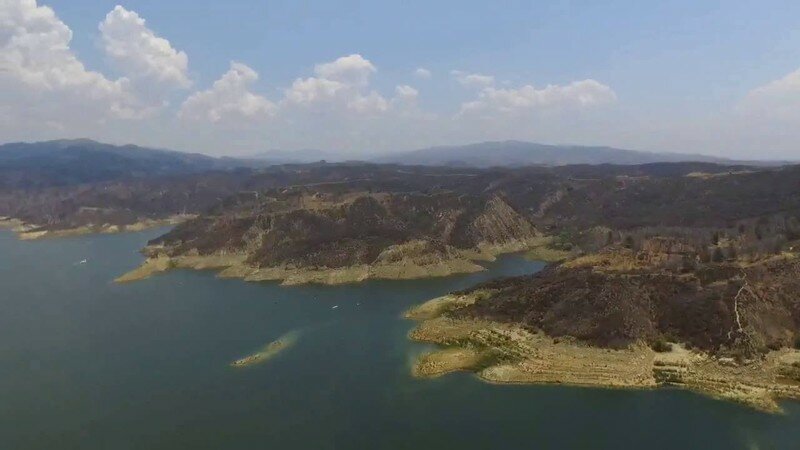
(662, 251)
(614, 306)
(128, 199)
(335, 230)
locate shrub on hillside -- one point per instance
(661, 346)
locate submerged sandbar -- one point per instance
(269, 351)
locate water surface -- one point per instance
(88, 364)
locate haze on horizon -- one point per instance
(242, 77)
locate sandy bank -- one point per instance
(11, 223)
(28, 232)
(160, 264)
(268, 351)
(234, 266)
(388, 266)
(438, 363)
(522, 357)
(441, 305)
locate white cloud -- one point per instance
(369, 103)
(778, 99)
(229, 99)
(139, 53)
(422, 73)
(43, 84)
(789, 84)
(47, 80)
(405, 107)
(352, 70)
(406, 93)
(312, 90)
(472, 80)
(339, 84)
(578, 94)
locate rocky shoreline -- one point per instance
(30, 232)
(418, 267)
(10, 223)
(509, 354)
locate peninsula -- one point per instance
(628, 319)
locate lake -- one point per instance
(89, 364)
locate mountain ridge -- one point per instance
(514, 153)
(76, 161)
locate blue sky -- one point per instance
(694, 76)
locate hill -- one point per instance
(296, 156)
(345, 232)
(67, 162)
(517, 153)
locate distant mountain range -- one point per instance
(296, 156)
(65, 162)
(499, 153)
(517, 153)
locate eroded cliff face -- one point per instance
(353, 236)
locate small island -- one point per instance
(269, 351)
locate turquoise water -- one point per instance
(88, 364)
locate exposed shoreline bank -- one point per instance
(29, 232)
(236, 266)
(508, 354)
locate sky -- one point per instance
(362, 78)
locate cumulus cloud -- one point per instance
(43, 84)
(405, 108)
(48, 81)
(472, 80)
(576, 95)
(138, 52)
(229, 99)
(372, 102)
(422, 73)
(406, 93)
(778, 99)
(313, 90)
(339, 84)
(350, 70)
